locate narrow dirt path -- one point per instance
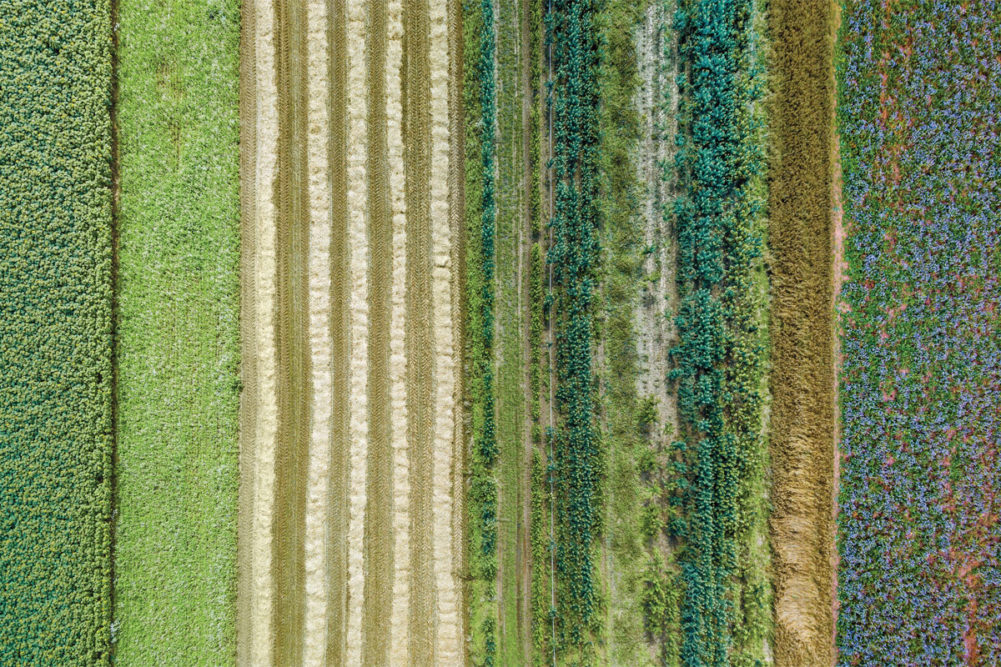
(838, 273)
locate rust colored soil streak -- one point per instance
(803, 428)
(840, 270)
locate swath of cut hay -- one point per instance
(380, 321)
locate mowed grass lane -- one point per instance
(178, 332)
(55, 332)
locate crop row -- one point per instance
(481, 110)
(574, 257)
(919, 580)
(55, 332)
(718, 359)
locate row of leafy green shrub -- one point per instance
(55, 332)
(480, 107)
(573, 258)
(718, 359)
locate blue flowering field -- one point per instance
(920, 550)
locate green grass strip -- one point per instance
(178, 332)
(55, 332)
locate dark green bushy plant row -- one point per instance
(573, 257)
(55, 332)
(480, 106)
(718, 358)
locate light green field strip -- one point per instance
(510, 333)
(178, 332)
(623, 285)
(55, 332)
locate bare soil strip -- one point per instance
(316, 593)
(357, 94)
(248, 330)
(379, 512)
(337, 501)
(400, 619)
(803, 373)
(259, 443)
(448, 641)
(420, 332)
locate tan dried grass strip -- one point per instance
(379, 511)
(419, 337)
(338, 501)
(803, 426)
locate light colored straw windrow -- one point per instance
(400, 620)
(358, 277)
(448, 643)
(320, 341)
(265, 425)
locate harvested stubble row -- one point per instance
(55, 332)
(178, 332)
(351, 311)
